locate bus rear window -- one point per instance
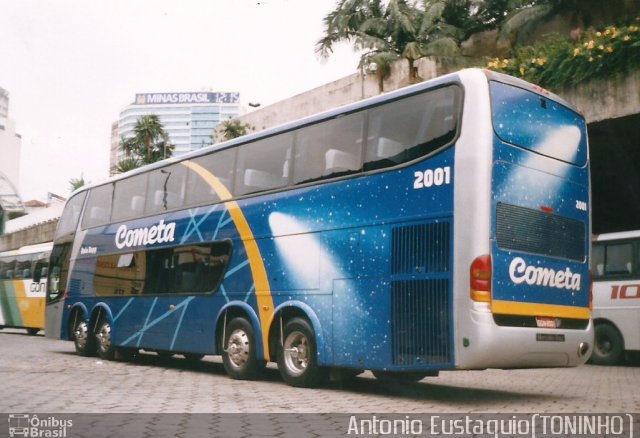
(534, 122)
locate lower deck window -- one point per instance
(184, 269)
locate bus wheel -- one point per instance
(239, 351)
(32, 331)
(83, 339)
(609, 346)
(106, 350)
(298, 357)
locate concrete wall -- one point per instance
(597, 100)
(605, 99)
(347, 90)
(40, 233)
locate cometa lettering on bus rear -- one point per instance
(539, 276)
(160, 233)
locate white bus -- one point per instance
(616, 295)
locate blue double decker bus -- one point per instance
(441, 226)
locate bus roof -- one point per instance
(616, 236)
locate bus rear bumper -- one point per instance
(484, 344)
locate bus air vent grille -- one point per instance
(537, 232)
(421, 322)
(421, 248)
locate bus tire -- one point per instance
(298, 356)
(83, 339)
(239, 351)
(106, 350)
(609, 345)
(32, 331)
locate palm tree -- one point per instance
(399, 30)
(234, 128)
(127, 164)
(149, 144)
(76, 183)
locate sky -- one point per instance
(71, 66)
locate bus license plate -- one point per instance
(546, 322)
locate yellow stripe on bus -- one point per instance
(31, 308)
(259, 272)
(536, 309)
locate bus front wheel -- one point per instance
(609, 345)
(239, 351)
(83, 339)
(106, 350)
(298, 356)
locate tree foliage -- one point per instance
(234, 128)
(386, 31)
(389, 31)
(557, 62)
(76, 183)
(150, 143)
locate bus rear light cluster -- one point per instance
(480, 278)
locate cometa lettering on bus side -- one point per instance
(532, 275)
(160, 233)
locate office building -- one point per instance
(10, 149)
(189, 118)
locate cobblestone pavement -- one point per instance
(45, 375)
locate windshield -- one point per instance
(537, 123)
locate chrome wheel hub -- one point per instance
(81, 334)
(104, 337)
(296, 352)
(238, 348)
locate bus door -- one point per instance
(56, 287)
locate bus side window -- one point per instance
(260, 164)
(57, 275)
(129, 198)
(328, 149)
(23, 268)
(597, 260)
(219, 167)
(618, 259)
(6, 269)
(71, 215)
(98, 207)
(40, 270)
(410, 128)
(167, 188)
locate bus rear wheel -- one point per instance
(609, 345)
(106, 350)
(83, 339)
(298, 357)
(239, 351)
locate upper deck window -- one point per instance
(98, 209)
(409, 128)
(534, 122)
(69, 220)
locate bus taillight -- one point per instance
(480, 278)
